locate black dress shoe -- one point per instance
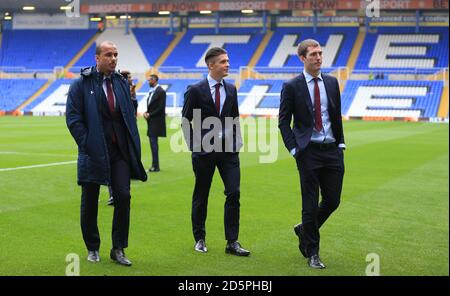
(93, 256)
(200, 246)
(301, 246)
(235, 248)
(153, 170)
(314, 262)
(119, 256)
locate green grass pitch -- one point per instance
(394, 203)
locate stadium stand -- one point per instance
(399, 48)
(153, 42)
(282, 48)
(392, 98)
(131, 56)
(52, 100)
(240, 43)
(369, 98)
(41, 50)
(252, 87)
(175, 89)
(15, 91)
(384, 70)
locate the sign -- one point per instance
(47, 21)
(262, 5)
(144, 22)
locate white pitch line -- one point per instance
(35, 153)
(37, 166)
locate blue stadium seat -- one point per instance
(428, 104)
(187, 54)
(177, 86)
(153, 42)
(433, 50)
(14, 92)
(274, 88)
(52, 87)
(41, 49)
(323, 34)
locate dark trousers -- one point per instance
(204, 167)
(319, 169)
(154, 148)
(120, 182)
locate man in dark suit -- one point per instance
(156, 118)
(215, 142)
(100, 117)
(316, 141)
(127, 75)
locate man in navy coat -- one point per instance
(316, 140)
(101, 118)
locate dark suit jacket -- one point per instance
(198, 97)
(87, 112)
(156, 110)
(295, 100)
(113, 123)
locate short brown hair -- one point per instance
(214, 52)
(302, 49)
(155, 77)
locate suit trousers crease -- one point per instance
(319, 170)
(120, 182)
(204, 168)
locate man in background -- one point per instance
(127, 75)
(156, 118)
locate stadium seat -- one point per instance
(14, 92)
(41, 50)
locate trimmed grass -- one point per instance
(394, 204)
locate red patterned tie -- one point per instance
(317, 108)
(217, 97)
(110, 96)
